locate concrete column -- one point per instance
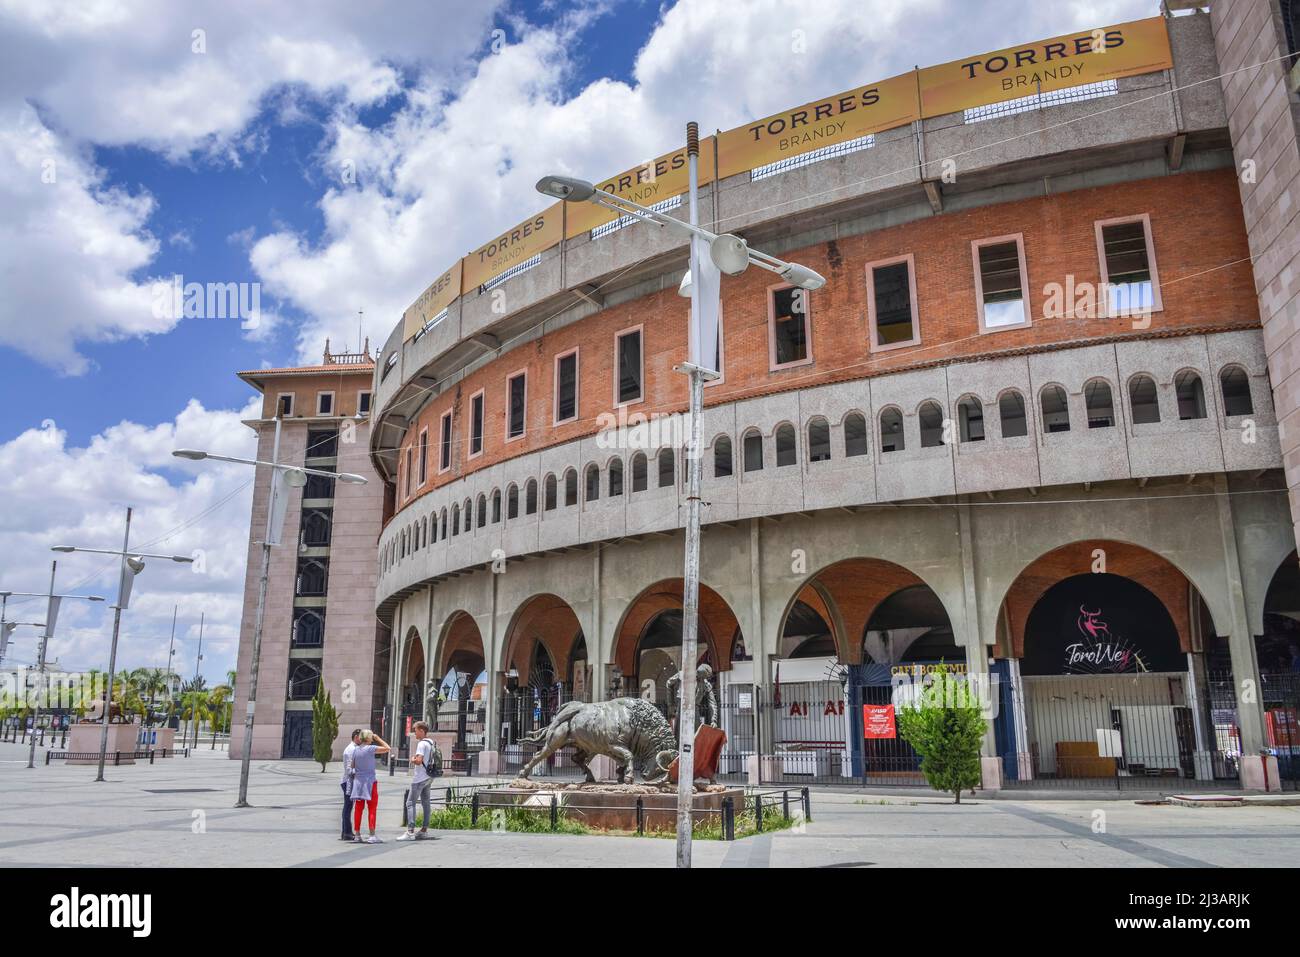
(975, 644)
(1241, 648)
(490, 761)
(757, 643)
(597, 653)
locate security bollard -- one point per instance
(785, 804)
(640, 816)
(555, 812)
(807, 805)
(473, 810)
(758, 812)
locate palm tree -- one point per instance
(220, 701)
(195, 709)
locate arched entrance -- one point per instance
(1105, 661)
(460, 720)
(1278, 653)
(541, 647)
(411, 691)
(851, 634)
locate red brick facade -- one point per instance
(1201, 255)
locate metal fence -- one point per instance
(1160, 731)
(1280, 692)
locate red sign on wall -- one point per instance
(878, 721)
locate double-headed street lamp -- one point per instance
(132, 564)
(283, 478)
(711, 255)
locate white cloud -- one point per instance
(113, 73)
(454, 166)
(61, 494)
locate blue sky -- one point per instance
(147, 139)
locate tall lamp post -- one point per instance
(711, 254)
(283, 478)
(51, 617)
(132, 564)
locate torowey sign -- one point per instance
(1086, 56)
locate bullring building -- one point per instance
(1030, 429)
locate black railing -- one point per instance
(115, 757)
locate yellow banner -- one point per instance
(653, 182)
(441, 294)
(824, 122)
(513, 247)
(1088, 56)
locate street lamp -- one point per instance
(711, 254)
(53, 602)
(283, 478)
(132, 565)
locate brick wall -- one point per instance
(1201, 254)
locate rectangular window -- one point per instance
(1128, 266)
(476, 424)
(444, 443)
(324, 403)
(409, 470)
(363, 403)
(628, 385)
(789, 327)
(284, 405)
(1000, 281)
(424, 456)
(516, 405)
(891, 304)
(566, 386)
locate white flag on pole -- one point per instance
(706, 283)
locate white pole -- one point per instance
(194, 687)
(257, 626)
(691, 586)
(112, 651)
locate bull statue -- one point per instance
(632, 731)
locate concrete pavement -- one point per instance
(179, 812)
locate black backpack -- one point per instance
(434, 770)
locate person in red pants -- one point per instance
(365, 783)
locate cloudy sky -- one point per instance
(341, 159)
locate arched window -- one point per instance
(444, 523)
(530, 497)
(970, 419)
(593, 482)
(496, 505)
(1056, 410)
(424, 532)
(667, 465)
(455, 519)
(785, 445)
(433, 528)
(469, 515)
(315, 532)
(512, 501)
(1100, 405)
(615, 477)
(752, 449)
(1236, 391)
(1142, 400)
(722, 456)
(571, 487)
(855, 434)
(819, 440)
(304, 676)
(551, 487)
(891, 430)
(1011, 411)
(1191, 395)
(308, 628)
(312, 574)
(482, 510)
(930, 419)
(638, 472)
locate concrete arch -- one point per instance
(544, 618)
(847, 592)
(1153, 571)
(718, 623)
(460, 645)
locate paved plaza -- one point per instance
(179, 812)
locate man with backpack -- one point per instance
(426, 764)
